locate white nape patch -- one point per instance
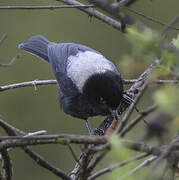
(84, 64)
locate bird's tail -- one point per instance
(37, 45)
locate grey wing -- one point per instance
(58, 55)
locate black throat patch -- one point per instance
(105, 87)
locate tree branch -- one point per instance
(19, 141)
(94, 13)
(6, 165)
(151, 19)
(50, 7)
(117, 165)
(145, 163)
(142, 114)
(51, 81)
(11, 130)
(27, 84)
(3, 38)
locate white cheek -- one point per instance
(84, 65)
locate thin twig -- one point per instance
(142, 114)
(151, 18)
(50, 7)
(51, 81)
(98, 158)
(117, 165)
(3, 38)
(136, 91)
(7, 166)
(94, 13)
(26, 84)
(167, 28)
(108, 7)
(159, 81)
(73, 153)
(174, 145)
(123, 3)
(11, 130)
(12, 61)
(45, 164)
(36, 133)
(145, 163)
(155, 81)
(131, 108)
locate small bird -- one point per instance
(89, 84)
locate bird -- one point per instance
(88, 83)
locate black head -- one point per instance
(105, 87)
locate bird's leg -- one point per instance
(100, 131)
(88, 127)
(114, 114)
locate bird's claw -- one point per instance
(98, 132)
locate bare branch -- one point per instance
(99, 157)
(167, 28)
(160, 81)
(36, 133)
(7, 166)
(145, 163)
(35, 83)
(19, 141)
(3, 38)
(63, 139)
(151, 19)
(108, 7)
(156, 81)
(50, 7)
(45, 164)
(73, 153)
(131, 108)
(123, 3)
(117, 165)
(142, 114)
(26, 84)
(12, 61)
(35, 156)
(94, 13)
(173, 146)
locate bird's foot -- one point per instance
(98, 132)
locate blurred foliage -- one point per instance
(123, 154)
(145, 44)
(168, 99)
